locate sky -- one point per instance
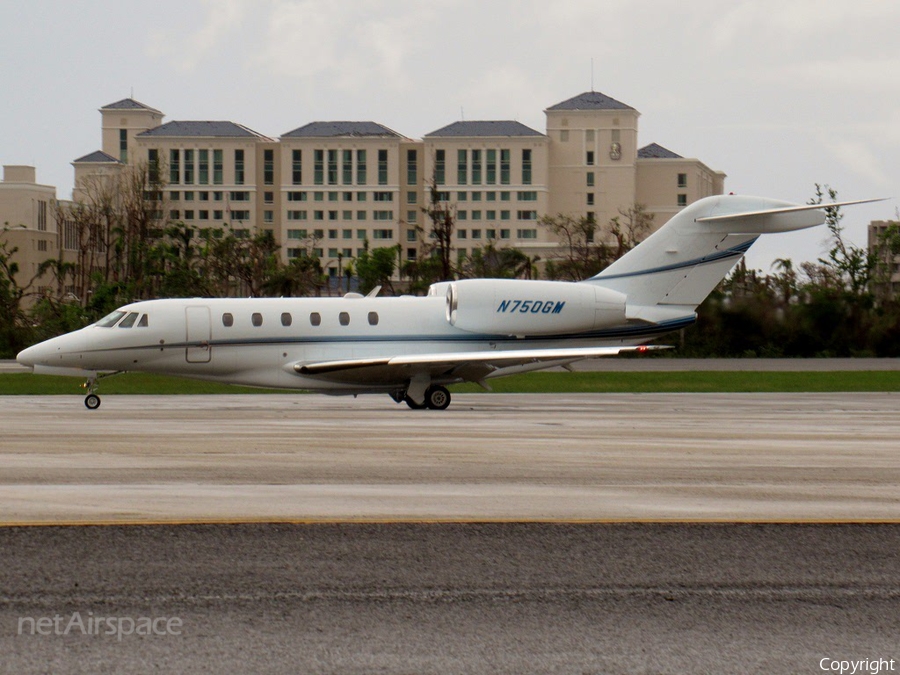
(778, 94)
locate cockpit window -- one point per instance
(129, 320)
(111, 319)
(144, 322)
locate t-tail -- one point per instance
(670, 273)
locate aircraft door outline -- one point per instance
(198, 332)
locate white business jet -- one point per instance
(470, 330)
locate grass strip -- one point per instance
(537, 383)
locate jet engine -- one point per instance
(521, 307)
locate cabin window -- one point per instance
(111, 319)
(228, 320)
(144, 322)
(315, 319)
(373, 318)
(286, 319)
(129, 320)
(344, 318)
(256, 319)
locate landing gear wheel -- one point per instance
(92, 401)
(437, 398)
(412, 404)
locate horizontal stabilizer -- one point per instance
(731, 217)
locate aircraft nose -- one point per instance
(28, 357)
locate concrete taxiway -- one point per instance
(743, 457)
(450, 598)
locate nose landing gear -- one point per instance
(92, 400)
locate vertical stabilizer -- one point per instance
(674, 269)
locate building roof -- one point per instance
(484, 128)
(129, 104)
(656, 151)
(342, 129)
(207, 129)
(97, 157)
(591, 100)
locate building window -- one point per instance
(440, 167)
(476, 234)
(383, 197)
(528, 196)
(682, 200)
(526, 167)
(297, 167)
(153, 165)
(42, 217)
(491, 168)
(203, 169)
(174, 167)
(682, 180)
(504, 167)
(412, 168)
(269, 167)
(238, 166)
(123, 146)
(504, 234)
(590, 198)
(346, 167)
(332, 167)
(526, 234)
(527, 215)
(218, 167)
(589, 160)
(476, 167)
(382, 167)
(268, 216)
(382, 215)
(462, 167)
(382, 234)
(318, 167)
(589, 179)
(361, 178)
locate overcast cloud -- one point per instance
(778, 94)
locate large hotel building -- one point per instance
(329, 188)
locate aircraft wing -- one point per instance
(455, 366)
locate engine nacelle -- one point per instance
(521, 307)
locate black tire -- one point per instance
(92, 401)
(437, 398)
(412, 404)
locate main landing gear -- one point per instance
(436, 398)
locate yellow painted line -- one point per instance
(453, 521)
